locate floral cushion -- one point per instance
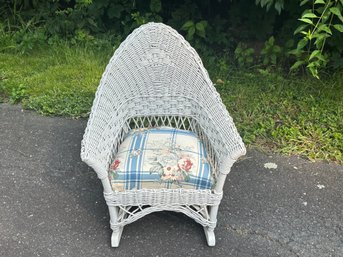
(161, 157)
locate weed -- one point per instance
(244, 55)
(18, 93)
(270, 52)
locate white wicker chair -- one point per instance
(155, 78)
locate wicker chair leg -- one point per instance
(117, 230)
(116, 235)
(209, 231)
(210, 237)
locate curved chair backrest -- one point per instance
(156, 72)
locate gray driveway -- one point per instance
(51, 203)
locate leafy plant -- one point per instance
(18, 93)
(211, 26)
(27, 40)
(155, 6)
(270, 52)
(316, 29)
(278, 4)
(192, 28)
(217, 34)
(6, 39)
(151, 15)
(244, 55)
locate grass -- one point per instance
(291, 115)
(53, 81)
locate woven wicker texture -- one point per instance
(155, 78)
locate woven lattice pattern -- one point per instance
(129, 214)
(155, 78)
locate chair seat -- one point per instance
(162, 157)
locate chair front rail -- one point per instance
(126, 216)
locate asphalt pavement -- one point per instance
(51, 204)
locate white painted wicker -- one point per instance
(155, 78)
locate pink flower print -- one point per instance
(185, 164)
(170, 169)
(170, 172)
(115, 164)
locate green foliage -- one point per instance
(6, 39)
(278, 4)
(192, 29)
(211, 25)
(28, 40)
(244, 55)
(319, 22)
(271, 52)
(18, 93)
(155, 6)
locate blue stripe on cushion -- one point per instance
(200, 165)
(203, 183)
(128, 164)
(173, 137)
(207, 173)
(141, 158)
(135, 161)
(145, 176)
